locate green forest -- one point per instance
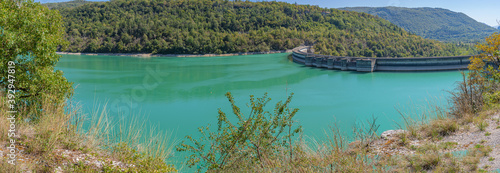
(433, 23)
(222, 26)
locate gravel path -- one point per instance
(468, 139)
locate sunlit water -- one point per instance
(181, 94)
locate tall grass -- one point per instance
(143, 148)
(132, 141)
(419, 120)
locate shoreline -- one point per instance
(148, 55)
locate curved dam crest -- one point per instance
(361, 64)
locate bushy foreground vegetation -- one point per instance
(100, 143)
(267, 141)
(37, 126)
(207, 26)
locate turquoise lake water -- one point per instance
(181, 94)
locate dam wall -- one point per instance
(362, 64)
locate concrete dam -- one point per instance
(361, 64)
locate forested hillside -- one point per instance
(68, 4)
(219, 26)
(432, 23)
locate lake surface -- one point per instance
(182, 94)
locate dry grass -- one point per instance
(434, 157)
(4, 123)
(439, 128)
(58, 129)
(435, 123)
(428, 121)
(468, 107)
(334, 155)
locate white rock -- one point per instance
(391, 133)
(99, 164)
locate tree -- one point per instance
(482, 85)
(32, 34)
(487, 63)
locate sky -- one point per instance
(485, 11)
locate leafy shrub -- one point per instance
(492, 99)
(252, 141)
(468, 96)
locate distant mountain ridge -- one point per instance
(433, 23)
(66, 4)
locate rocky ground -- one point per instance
(489, 137)
(465, 138)
(64, 159)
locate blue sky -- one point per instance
(485, 11)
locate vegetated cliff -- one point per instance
(208, 26)
(433, 23)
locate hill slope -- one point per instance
(68, 4)
(433, 23)
(208, 26)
